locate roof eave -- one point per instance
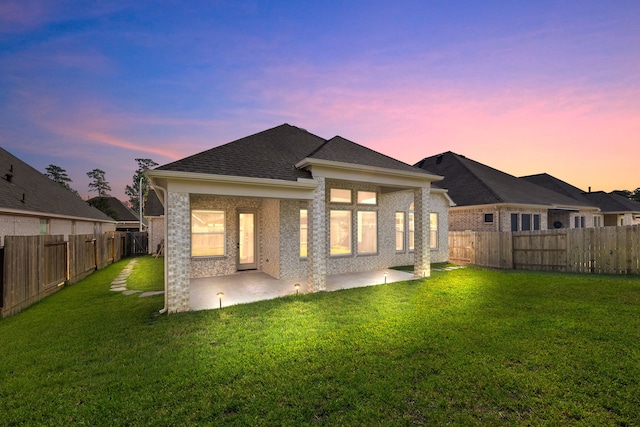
(310, 162)
(51, 215)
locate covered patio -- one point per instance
(251, 286)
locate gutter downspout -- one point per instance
(166, 266)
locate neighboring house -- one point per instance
(127, 219)
(615, 209)
(490, 200)
(32, 204)
(153, 211)
(294, 205)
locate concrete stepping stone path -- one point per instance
(119, 284)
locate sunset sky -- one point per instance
(523, 86)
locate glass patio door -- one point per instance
(247, 241)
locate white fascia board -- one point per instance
(371, 174)
(37, 214)
(226, 185)
(446, 194)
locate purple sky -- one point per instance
(525, 87)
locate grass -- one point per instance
(466, 347)
(148, 275)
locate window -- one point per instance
(526, 222)
(367, 197)
(514, 222)
(303, 233)
(582, 222)
(207, 233)
(340, 230)
(411, 232)
(433, 230)
(399, 231)
(367, 232)
(337, 195)
(44, 226)
(488, 218)
(536, 221)
(73, 227)
(597, 221)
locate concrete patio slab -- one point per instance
(251, 286)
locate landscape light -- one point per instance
(297, 286)
(385, 277)
(220, 294)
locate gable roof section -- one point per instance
(270, 154)
(339, 149)
(25, 190)
(472, 183)
(612, 202)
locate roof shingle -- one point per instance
(23, 188)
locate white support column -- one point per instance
(316, 240)
(422, 248)
(178, 251)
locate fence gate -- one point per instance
(138, 243)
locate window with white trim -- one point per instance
(433, 230)
(367, 198)
(367, 232)
(303, 233)
(339, 195)
(207, 232)
(400, 234)
(340, 232)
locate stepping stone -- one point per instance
(129, 292)
(118, 289)
(151, 293)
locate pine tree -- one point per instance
(133, 191)
(99, 182)
(59, 176)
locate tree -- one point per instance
(133, 191)
(59, 175)
(99, 182)
(635, 195)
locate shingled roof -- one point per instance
(554, 184)
(472, 183)
(612, 202)
(607, 202)
(153, 207)
(120, 210)
(273, 154)
(339, 149)
(24, 189)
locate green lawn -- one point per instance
(465, 347)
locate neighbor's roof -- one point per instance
(274, 153)
(123, 213)
(607, 202)
(471, 183)
(612, 202)
(24, 189)
(153, 206)
(554, 184)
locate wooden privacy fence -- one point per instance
(34, 267)
(603, 250)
